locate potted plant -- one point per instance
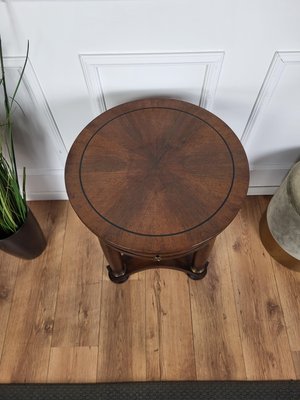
(20, 233)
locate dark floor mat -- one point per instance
(237, 390)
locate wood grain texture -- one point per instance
(153, 327)
(156, 176)
(296, 358)
(170, 348)
(288, 283)
(73, 364)
(218, 348)
(260, 316)
(78, 303)
(121, 345)
(8, 275)
(273, 248)
(146, 329)
(27, 342)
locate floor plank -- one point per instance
(218, 348)
(78, 303)
(170, 348)
(153, 327)
(296, 358)
(288, 283)
(73, 364)
(264, 339)
(61, 319)
(27, 343)
(8, 275)
(121, 354)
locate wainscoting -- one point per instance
(240, 61)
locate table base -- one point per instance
(122, 265)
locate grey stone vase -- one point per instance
(280, 225)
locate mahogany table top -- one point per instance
(156, 176)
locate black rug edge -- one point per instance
(155, 390)
(155, 382)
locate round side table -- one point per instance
(156, 180)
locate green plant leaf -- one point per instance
(13, 207)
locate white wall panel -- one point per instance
(38, 143)
(113, 79)
(136, 48)
(272, 134)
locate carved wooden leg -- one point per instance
(116, 267)
(200, 263)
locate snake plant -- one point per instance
(13, 208)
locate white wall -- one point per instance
(238, 58)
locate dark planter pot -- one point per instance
(28, 242)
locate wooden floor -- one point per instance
(62, 320)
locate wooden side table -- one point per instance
(156, 180)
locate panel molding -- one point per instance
(36, 94)
(91, 64)
(280, 61)
(42, 183)
(278, 64)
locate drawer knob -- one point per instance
(157, 258)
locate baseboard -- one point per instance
(261, 190)
(50, 185)
(45, 184)
(39, 196)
